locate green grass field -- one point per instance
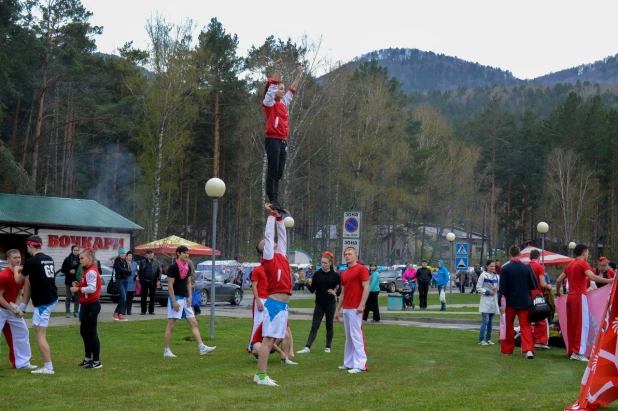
(410, 368)
(432, 299)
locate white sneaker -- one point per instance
(206, 350)
(483, 343)
(327, 349)
(168, 354)
(256, 378)
(529, 355)
(28, 367)
(490, 342)
(43, 371)
(355, 371)
(578, 357)
(544, 347)
(343, 367)
(305, 350)
(287, 361)
(267, 381)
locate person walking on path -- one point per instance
(354, 294)
(324, 285)
(123, 271)
(276, 102)
(442, 279)
(374, 292)
(180, 288)
(259, 288)
(487, 286)
(516, 285)
(424, 278)
(148, 275)
(577, 272)
(42, 288)
(69, 268)
(89, 290)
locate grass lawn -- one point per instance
(432, 299)
(411, 368)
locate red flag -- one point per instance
(600, 381)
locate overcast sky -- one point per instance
(529, 38)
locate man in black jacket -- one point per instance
(149, 273)
(423, 277)
(69, 269)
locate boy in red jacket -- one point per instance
(276, 102)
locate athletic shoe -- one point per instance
(483, 343)
(343, 367)
(76, 315)
(115, 317)
(355, 371)
(267, 381)
(529, 355)
(206, 350)
(43, 371)
(490, 342)
(28, 367)
(326, 349)
(545, 347)
(579, 357)
(168, 354)
(93, 364)
(83, 363)
(142, 313)
(122, 318)
(305, 350)
(287, 361)
(68, 315)
(256, 378)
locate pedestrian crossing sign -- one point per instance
(461, 249)
(462, 263)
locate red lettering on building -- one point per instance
(86, 242)
(108, 242)
(98, 243)
(65, 241)
(53, 240)
(77, 240)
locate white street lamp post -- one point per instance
(215, 188)
(572, 246)
(451, 237)
(542, 228)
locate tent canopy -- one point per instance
(550, 258)
(169, 244)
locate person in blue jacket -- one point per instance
(442, 280)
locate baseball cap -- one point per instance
(121, 251)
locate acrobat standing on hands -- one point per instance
(276, 102)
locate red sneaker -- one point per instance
(115, 316)
(122, 318)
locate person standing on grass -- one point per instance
(123, 271)
(442, 279)
(179, 287)
(276, 102)
(424, 277)
(259, 288)
(354, 293)
(89, 290)
(12, 310)
(69, 268)
(374, 292)
(277, 267)
(41, 287)
(577, 272)
(516, 285)
(148, 275)
(130, 283)
(487, 287)
(540, 329)
(324, 285)
(409, 276)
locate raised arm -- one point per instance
(294, 85)
(282, 237)
(277, 75)
(269, 237)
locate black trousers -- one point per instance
(372, 305)
(88, 330)
(148, 289)
(276, 153)
(423, 289)
(319, 312)
(129, 304)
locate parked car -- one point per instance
(3, 264)
(229, 292)
(390, 280)
(106, 275)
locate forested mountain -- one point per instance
(602, 72)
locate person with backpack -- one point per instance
(148, 274)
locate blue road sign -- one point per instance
(351, 225)
(461, 263)
(461, 249)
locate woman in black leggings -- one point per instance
(324, 284)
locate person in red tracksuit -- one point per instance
(578, 272)
(259, 288)
(275, 104)
(540, 329)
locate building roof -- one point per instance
(55, 211)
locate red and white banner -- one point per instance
(600, 381)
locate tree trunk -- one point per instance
(15, 123)
(156, 207)
(39, 120)
(26, 137)
(217, 130)
(116, 173)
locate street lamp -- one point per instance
(215, 188)
(451, 237)
(572, 246)
(542, 228)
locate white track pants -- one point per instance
(258, 317)
(16, 334)
(354, 355)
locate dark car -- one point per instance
(106, 275)
(390, 280)
(224, 292)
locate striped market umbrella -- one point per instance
(169, 244)
(550, 258)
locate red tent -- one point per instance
(169, 244)
(550, 258)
